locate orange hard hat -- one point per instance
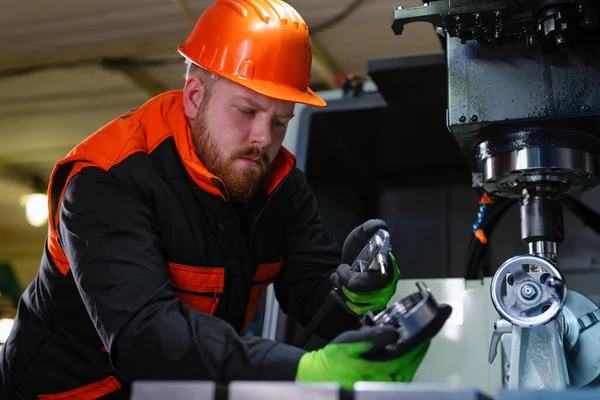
(263, 45)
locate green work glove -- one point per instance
(367, 354)
(369, 290)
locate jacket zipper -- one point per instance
(258, 218)
(265, 206)
(205, 294)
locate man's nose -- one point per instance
(260, 133)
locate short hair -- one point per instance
(208, 78)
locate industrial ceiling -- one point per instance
(69, 66)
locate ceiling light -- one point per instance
(36, 208)
(6, 325)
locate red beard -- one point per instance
(241, 183)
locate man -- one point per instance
(166, 224)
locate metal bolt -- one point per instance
(586, 108)
(529, 292)
(462, 118)
(545, 308)
(474, 118)
(510, 280)
(556, 284)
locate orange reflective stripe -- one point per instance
(89, 392)
(282, 165)
(197, 279)
(139, 131)
(204, 303)
(267, 272)
(198, 287)
(253, 303)
(56, 252)
(186, 149)
(264, 276)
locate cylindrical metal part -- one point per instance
(547, 250)
(541, 218)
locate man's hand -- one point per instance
(369, 290)
(366, 354)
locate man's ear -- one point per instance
(193, 93)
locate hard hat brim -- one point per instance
(268, 89)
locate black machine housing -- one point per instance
(521, 74)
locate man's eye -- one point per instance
(278, 123)
(245, 111)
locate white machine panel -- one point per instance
(458, 355)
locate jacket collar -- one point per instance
(174, 115)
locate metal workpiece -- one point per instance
(416, 317)
(413, 391)
(374, 256)
(413, 312)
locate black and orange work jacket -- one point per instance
(149, 272)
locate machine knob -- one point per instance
(537, 289)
